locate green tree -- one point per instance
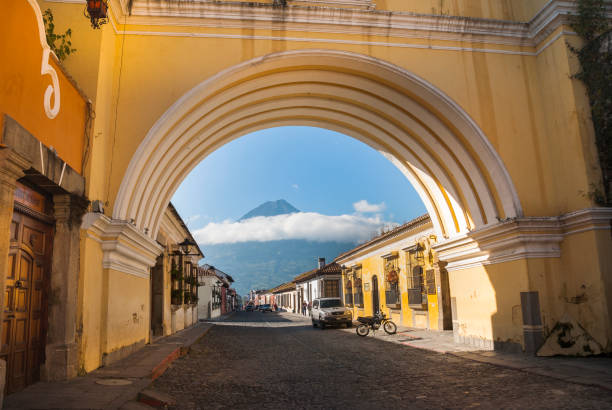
(595, 57)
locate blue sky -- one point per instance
(320, 172)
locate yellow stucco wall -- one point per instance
(577, 284)
(517, 10)
(522, 97)
(373, 264)
(128, 310)
(92, 306)
(488, 301)
(515, 99)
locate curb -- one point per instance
(185, 349)
(161, 368)
(177, 353)
(165, 363)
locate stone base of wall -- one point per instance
(123, 352)
(61, 362)
(487, 344)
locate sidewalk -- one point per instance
(111, 387)
(590, 371)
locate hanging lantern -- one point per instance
(97, 12)
(420, 257)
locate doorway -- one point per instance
(375, 297)
(26, 307)
(157, 297)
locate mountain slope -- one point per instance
(271, 208)
(263, 265)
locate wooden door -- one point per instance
(375, 296)
(25, 303)
(157, 297)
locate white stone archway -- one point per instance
(455, 170)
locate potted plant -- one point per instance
(177, 297)
(175, 272)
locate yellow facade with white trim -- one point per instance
(370, 259)
(472, 100)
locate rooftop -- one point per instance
(415, 223)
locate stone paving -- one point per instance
(270, 360)
(110, 387)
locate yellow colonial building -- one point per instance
(473, 100)
(397, 273)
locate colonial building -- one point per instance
(174, 280)
(285, 297)
(256, 296)
(216, 297)
(397, 273)
(44, 127)
(321, 282)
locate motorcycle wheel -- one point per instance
(390, 328)
(363, 330)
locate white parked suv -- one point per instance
(330, 311)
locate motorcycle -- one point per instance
(374, 323)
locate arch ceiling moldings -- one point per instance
(440, 149)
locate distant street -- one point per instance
(270, 360)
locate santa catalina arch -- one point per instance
(473, 102)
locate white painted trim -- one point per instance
(328, 41)
(387, 24)
(351, 42)
(125, 249)
(520, 238)
(377, 251)
(586, 220)
(383, 23)
(150, 181)
(53, 90)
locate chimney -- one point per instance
(321, 262)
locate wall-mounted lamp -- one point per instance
(186, 247)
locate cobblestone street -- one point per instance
(270, 360)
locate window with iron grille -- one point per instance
(357, 287)
(391, 273)
(417, 291)
(348, 289)
(331, 288)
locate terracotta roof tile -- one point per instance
(423, 219)
(329, 269)
(285, 287)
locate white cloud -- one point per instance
(301, 225)
(295, 186)
(364, 206)
(192, 218)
